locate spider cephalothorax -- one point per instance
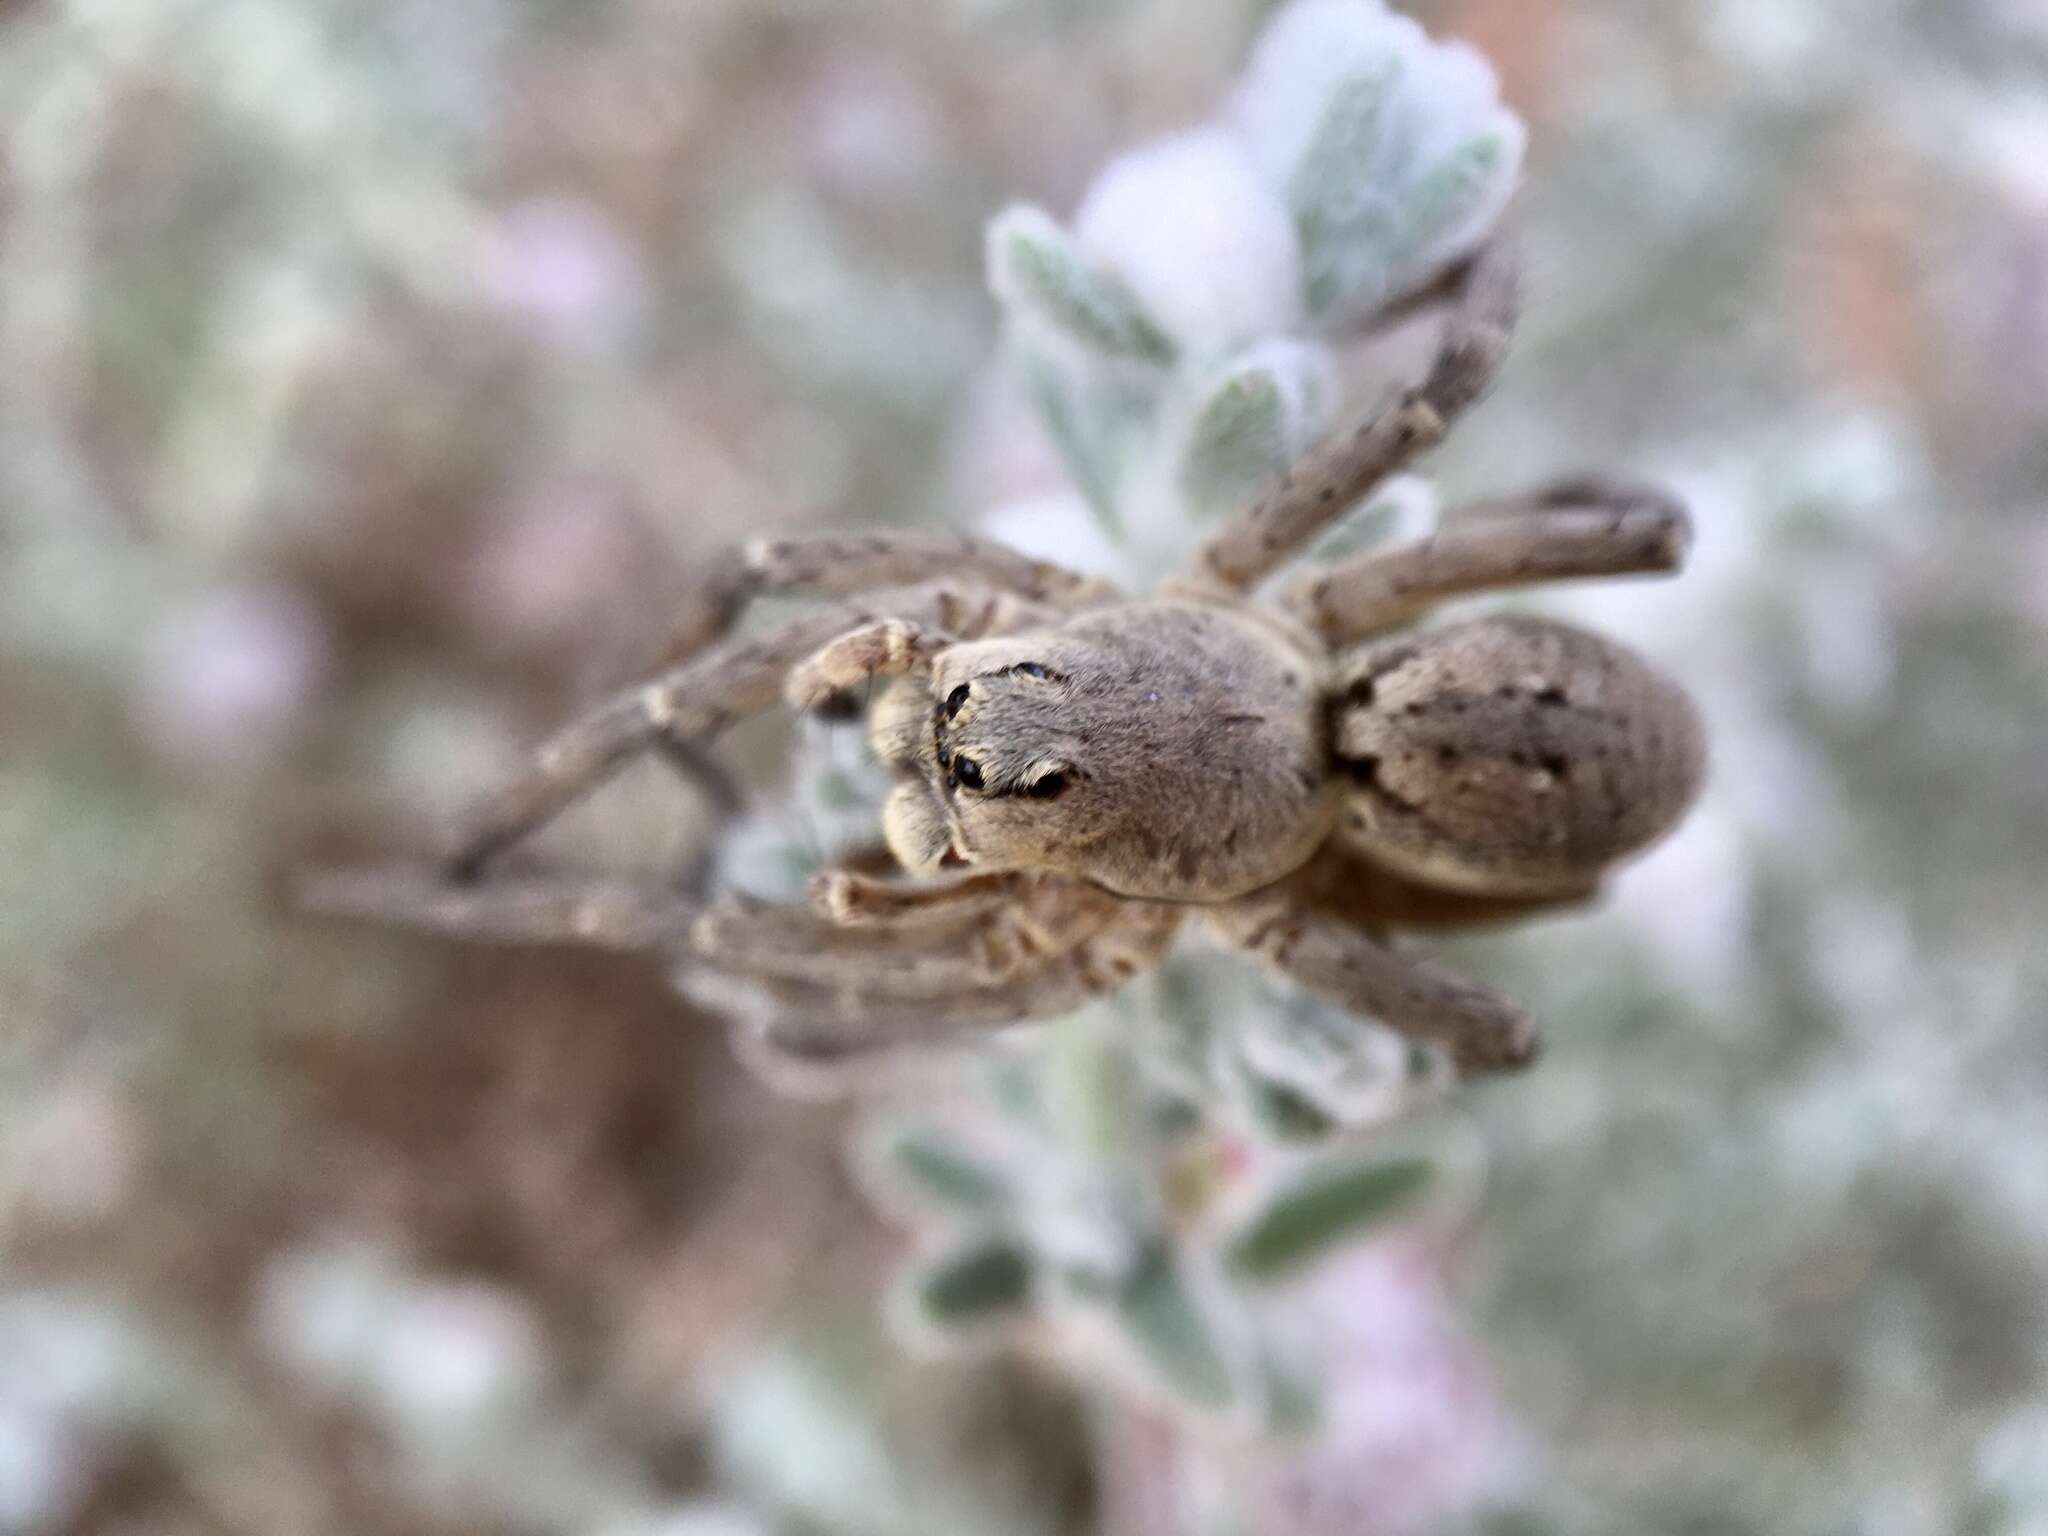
(1081, 773)
(1175, 750)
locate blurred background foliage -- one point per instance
(374, 374)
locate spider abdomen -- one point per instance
(1511, 755)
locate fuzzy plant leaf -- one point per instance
(1359, 254)
(1040, 276)
(1094, 1087)
(1393, 151)
(1286, 1114)
(1307, 1070)
(1294, 1407)
(1448, 194)
(1081, 430)
(1252, 422)
(983, 1283)
(1240, 443)
(1167, 1328)
(1311, 1218)
(1330, 188)
(930, 1169)
(1340, 211)
(1239, 438)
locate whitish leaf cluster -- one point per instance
(1073, 1203)
(1179, 342)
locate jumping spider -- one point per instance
(1080, 773)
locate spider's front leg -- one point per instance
(848, 565)
(1329, 481)
(690, 703)
(830, 1033)
(1483, 1030)
(966, 934)
(699, 699)
(686, 707)
(522, 910)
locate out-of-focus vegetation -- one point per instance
(373, 374)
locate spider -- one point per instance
(1081, 774)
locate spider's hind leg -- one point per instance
(1483, 1030)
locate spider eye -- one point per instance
(1032, 669)
(955, 700)
(1050, 787)
(966, 773)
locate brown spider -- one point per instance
(1081, 773)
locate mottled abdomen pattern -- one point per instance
(1511, 754)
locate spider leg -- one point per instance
(885, 648)
(823, 1006)
(958, 940)
(1574, 528)
(828, 1036)
(697, 700)
(840, 565)
(851, 899)
(525, 909)
(1484, 1031)
(832, 565)
(1330, 480)
(696, 765)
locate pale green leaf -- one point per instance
(942, 1173)
(1173, 1337)
(1324, 1210)
(1079, 430)
(1039, 274)
(976, 1285)
(1239, 441)
(1446, 195)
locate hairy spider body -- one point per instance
(1201, 752)
(1080, 774)
(1175, 750)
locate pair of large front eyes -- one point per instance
(1047, 786)
(967, 773)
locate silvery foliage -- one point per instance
(1126, 1192)
(1073, 1202)
(1180, 342)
